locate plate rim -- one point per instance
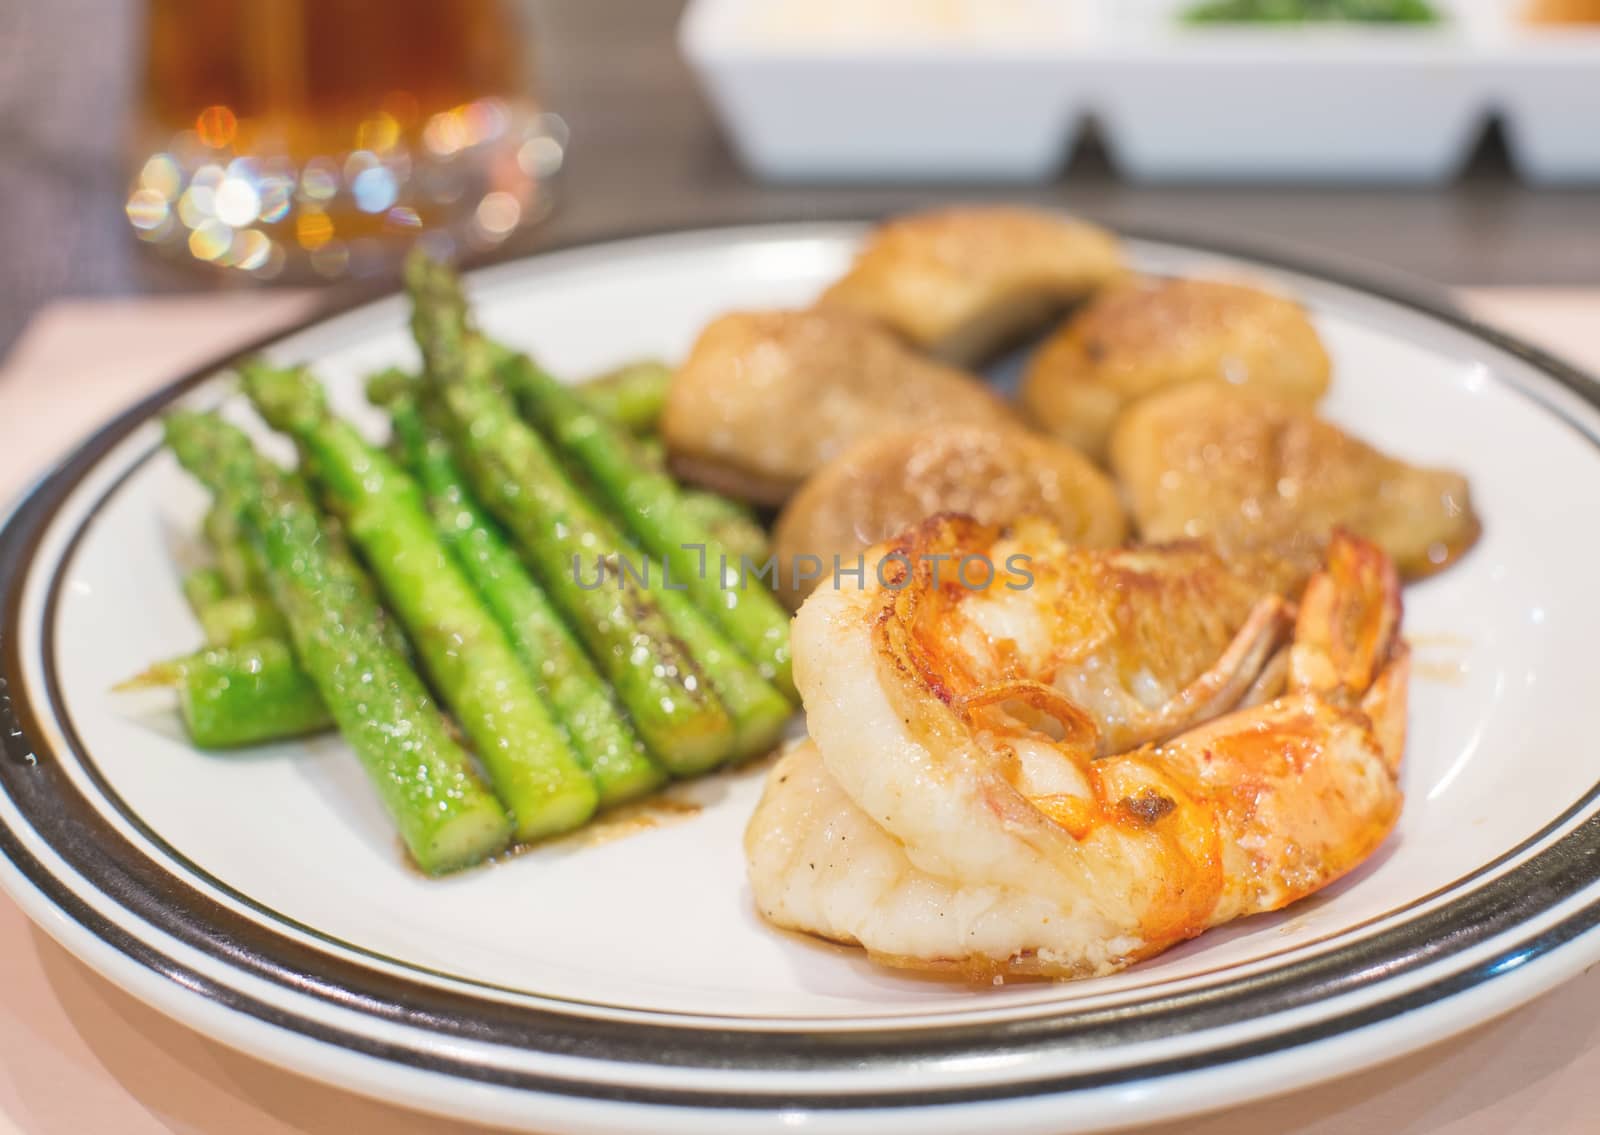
(17, 552)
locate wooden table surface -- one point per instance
(647, 153)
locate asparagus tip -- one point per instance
(390, 386)
(287, 397)
(158, 676)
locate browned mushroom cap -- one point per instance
(960, 283)
(766, 398)
(1144, 335)
(885, 484)
(1252, 473)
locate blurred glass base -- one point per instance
(466, 178)
(318, 139)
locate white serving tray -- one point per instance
(996, 90)
(1359, 103)
(1547, 86)
(828, 90)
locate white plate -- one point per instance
(629, 985)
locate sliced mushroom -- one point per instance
(888, 483)
(961, 283)
(1141, 336)
(1253, 474)
(766, 398)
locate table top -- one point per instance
(79, 1055)
(646, 153)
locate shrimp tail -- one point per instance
(1348, 623)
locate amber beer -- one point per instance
(327, 134)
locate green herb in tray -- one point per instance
(1312, 11)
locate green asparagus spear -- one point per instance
(241, 564)
(653, 450)
(446, 817)
(246, 696)
(729, 520)
(760, 712)
(652, 506)
(632, 396)
(582, 702)
(758, 709)
(230, 600)
(479, 675)
(733, 524)
(234, 696)
(627, 633)
(236, 560)
(235, 620)
(517, 477)
(203, 587)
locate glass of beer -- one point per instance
(320, 138)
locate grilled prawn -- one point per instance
(1096, 756)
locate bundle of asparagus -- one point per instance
(426, 599)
